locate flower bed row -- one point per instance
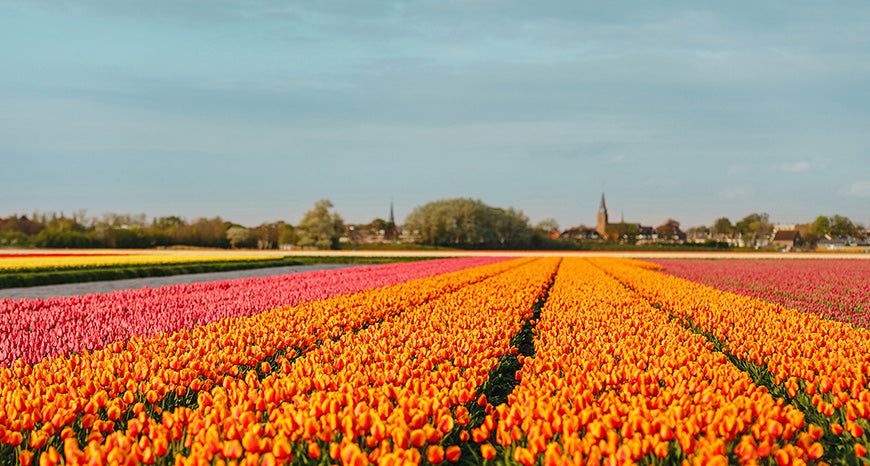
(93, 394)
(389, 394)
(837, 289)
(35, 329)
(51, 254)
(614, 381)
(20, 263)
(819, 365)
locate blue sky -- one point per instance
(253, 110)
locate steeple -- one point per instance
(602, 209)
(392, 231)
(601, 225)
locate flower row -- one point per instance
(18, 262)
(36, 329)
(820, 365)
(97, 389)
(836, 289)
(614, 380)
(389, 394)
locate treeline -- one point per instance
(54, 230)
(756, 225)
(460, 223)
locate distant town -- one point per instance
(460, 223)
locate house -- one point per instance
(578, 233)
(836, 243)
(787, 240)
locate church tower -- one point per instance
(392, 231)
(601, 227)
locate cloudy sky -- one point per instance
(253, 110)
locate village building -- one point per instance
(787, 240)
(580, 233)
(604, 229)
(601, 226)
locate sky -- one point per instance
(254, 110)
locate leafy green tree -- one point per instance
(623, 231)
(842, 226)
(377, 225)
(755, 223)
(288, 235)
(669, 229)
(321, 228)
(822, 226)
(751, 227)
(469, 223)
(548, 225)
(722, 226)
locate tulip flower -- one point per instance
(834, 289)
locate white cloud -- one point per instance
(857, 189)
(797, 167)
(735, 169)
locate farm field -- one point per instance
(26, 268)
(835, 289)
(64, 261)
(479, 360)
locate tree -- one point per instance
(469, 223)
(320, 228)
(238, 236)
(548, 225)
(842, 226)
(755, 223)
(266, 235)
(822, 226)
(623, 231)
(378, 226)
(288, 235)
(752, 226)
(669, 229)
(722, 226)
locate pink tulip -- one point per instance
(35, 329)
(835, 289)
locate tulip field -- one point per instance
(34, 329)
(43, 262)
(835, 289)
(494, 361)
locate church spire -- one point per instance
(602, 209)
(601, 225)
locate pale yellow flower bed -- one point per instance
(50, 262)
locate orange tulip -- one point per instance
(524, 456)
(281, 449)
(313, 450)
(487, 451)
(25, 458)
(453, 453)
(435, 454)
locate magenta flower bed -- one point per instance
(836, 289)
(35, 329)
